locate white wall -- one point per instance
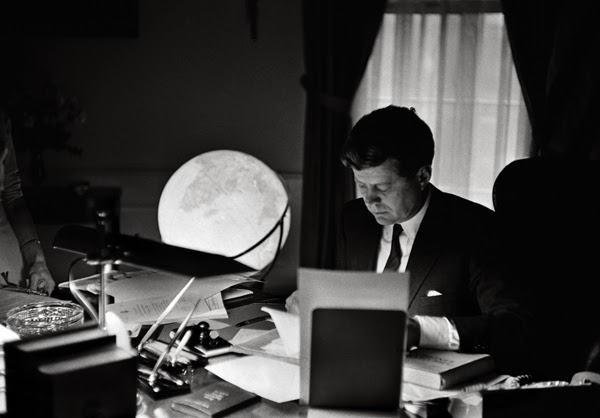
(193, 81)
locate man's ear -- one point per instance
(424, 176)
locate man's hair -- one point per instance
(393, 132)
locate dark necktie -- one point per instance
(393, 262)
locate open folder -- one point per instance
(331, 297)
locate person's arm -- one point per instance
(20, 220)
(437, 332)
(504, 328)
(31, 249)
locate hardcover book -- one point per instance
(441, 369)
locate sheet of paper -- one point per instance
(271, 379)
(266, 345)
(242, 335)
(147, 311)
(288, 327)
(343, 289)
(242, 313)
(146, 284)
(235, 293)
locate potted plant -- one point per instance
(42, 119)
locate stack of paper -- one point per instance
(141, 296)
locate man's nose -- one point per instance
(371, 197)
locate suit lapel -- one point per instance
(427, 245)
(367, 242)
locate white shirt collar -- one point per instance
(411, 226)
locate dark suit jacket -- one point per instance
(455, 253)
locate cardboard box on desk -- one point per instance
(76, 373)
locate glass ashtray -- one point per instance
(44, 317)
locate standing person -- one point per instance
(459, 293)
(21, 257)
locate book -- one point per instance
(442, 369)
(215, 400)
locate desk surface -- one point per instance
(264, 408)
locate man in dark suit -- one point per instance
(460, 297)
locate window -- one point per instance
(451, 61)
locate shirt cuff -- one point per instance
(438, 332)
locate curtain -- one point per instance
(455, 69)
(338, 39)
(555, 48)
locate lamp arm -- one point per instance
(78, 295)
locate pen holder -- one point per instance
(170, 381)
(204, 341)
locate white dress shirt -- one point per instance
(436, 332)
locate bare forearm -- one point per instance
(39, 277)
(20, 219)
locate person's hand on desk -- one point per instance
(40, 278)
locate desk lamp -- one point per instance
(222, 212)
(218, 214)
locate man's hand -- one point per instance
(292, 303)
(40, 278)
(413, 334)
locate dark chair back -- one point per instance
(550, 216)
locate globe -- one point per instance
(225, 202)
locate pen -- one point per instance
(252, 321)
(182, 344)
(147, 371)
(163, 315)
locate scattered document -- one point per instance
(267, 345)
(288, 328)
(146, 284)
(271, 379)
(141, 296)
(147, 311)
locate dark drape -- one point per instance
(555, 47)
(338, 39)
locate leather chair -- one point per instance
(549, 211)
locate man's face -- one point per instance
(389, 197)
